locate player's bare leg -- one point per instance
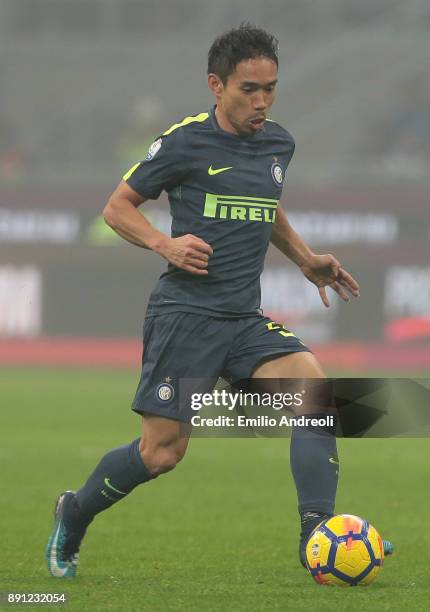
(292, 365)
(162, 445)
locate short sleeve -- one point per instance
(291, 147)
(165, 167)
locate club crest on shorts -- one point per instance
(276, 171)
(165, 392)
(153, 149)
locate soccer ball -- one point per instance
(344, 550)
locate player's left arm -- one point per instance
(322, 270)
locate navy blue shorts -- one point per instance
(184, 345)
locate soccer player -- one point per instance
(223, 171)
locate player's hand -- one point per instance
(326, 271)
(189, 253)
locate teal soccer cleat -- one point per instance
(62, 551)
(388, 547)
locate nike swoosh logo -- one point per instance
(108, 484)
(333, 460)
(212, 171)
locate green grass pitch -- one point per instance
(218, 533)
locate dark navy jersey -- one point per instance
(225, 189)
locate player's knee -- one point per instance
(162, 459)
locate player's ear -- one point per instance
(215, 84)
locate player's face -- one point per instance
(245, 99)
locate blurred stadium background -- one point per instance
(85, 86)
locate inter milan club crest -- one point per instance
(165, 392)
(276, 171)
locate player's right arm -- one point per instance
(188, 252)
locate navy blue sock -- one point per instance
(314, 465)
(117, 474)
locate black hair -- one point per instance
(238, 44)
